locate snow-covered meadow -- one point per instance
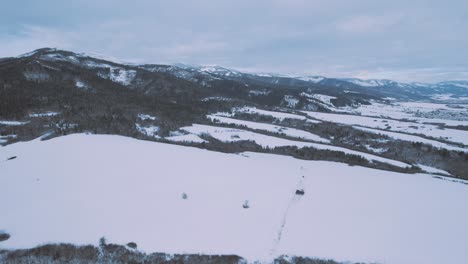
(80, 187)
(453, 135)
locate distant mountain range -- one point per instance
(205, 74)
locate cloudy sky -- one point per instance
(399, 39)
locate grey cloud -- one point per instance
(371, 39)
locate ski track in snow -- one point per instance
(294, 199)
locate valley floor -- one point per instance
(176, 199)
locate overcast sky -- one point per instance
(399, 39)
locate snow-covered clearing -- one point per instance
(78, 188)
(80, 84)
(453, 135)
(291, 132)
(44, 114)
(216, 98)
(186, 138)
(122, 76)
(414, 111)
(290, 101)
(432, 170)
(233, 135)
(146, 117)
(278, 115)
(150, 131)
(326, 99)
(13, 123)
(259, 92)
(115, 74)
(314, 79)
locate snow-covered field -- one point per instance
(416, 111)
(453, 135)
(412, 138)
(291, 132)
(277, 115)
(12, 123)
(225, 134)
(78, 188)
(185, 138)
(44, 114)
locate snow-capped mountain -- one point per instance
(212, 69)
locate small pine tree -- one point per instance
(102, 242)
(132, 245)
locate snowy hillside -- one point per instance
(80, 187)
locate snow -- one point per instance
(186, 138)
(278, 115)
(216, 98)
(291, 132)
(259, 92)
(28, 54)
(460, 85)
(150, 131)
(450, 98)
(365, 83)
(313, 79)
(432, 170)
(291, 101)
(376, 150)
(412, 138)
(214, 69)
(146, 117)
(104, 57)
(93, 64)
(122, 76)
(13, 123)
(115, 74)
(325, 99)
(414, 110)
(47, 66)
(44, 114)
(80, 84)
(453, 135)
(84, 187)
(4, 139)
(226, 134)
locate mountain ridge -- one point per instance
(219, 70)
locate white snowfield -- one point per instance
(226, 134)
(432, 170)
(144, 117)
(119, 75)
(412, 138)
(78, 188)
(411, 110)
(326, 99)
(150, 131)
(13, 123)
(185, 138)
(277, 115)
(44, 114)
(453, 135)
(291, 132)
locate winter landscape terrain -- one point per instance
(184, 159)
